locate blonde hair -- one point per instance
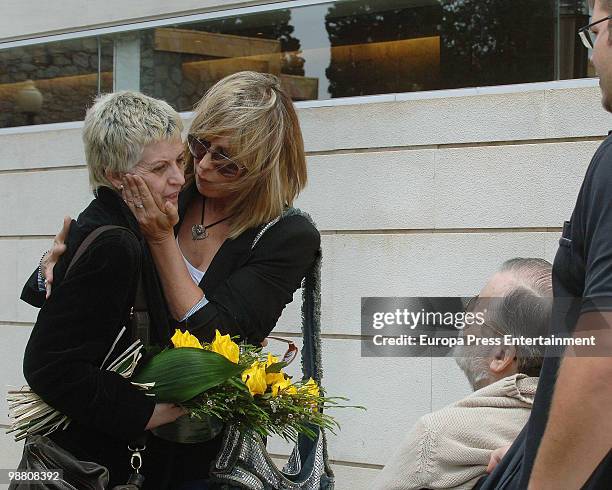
(118, 127)
(265, 137)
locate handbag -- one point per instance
(43, 456)
(243, 461)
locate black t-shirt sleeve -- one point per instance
(596, 218)
(74, 331)
(251, 300)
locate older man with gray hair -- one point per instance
(451, 448)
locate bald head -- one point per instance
(516, 301)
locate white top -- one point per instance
(197, 275)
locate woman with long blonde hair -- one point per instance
(225, 257)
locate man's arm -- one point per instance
(579, 430)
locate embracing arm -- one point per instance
(157, 220)
(74, 330)
(35, 293)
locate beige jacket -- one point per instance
(450, 448)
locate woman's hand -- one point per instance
(52, 256)
(164, 413)
(155, 217)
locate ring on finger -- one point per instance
(139, 205)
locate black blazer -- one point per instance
(248, 288)
(76, 327)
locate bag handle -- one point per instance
(311, 304)
(139, 322)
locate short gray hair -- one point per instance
(526, 309)
(118, 127)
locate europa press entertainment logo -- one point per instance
(434, 326)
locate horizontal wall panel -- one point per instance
(41, 149)
(507, 186)
(516, 186)
(353, 477)
(374, 190)
(469, 119)
(430, 264)
(69, 15)
(575, 112)
(10, 452)
(414, 265)
(449, 384)
(40, 200)
(425, 122)
(540, 114)
(18, 258)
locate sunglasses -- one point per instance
(224, 165)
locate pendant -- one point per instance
(198, 232)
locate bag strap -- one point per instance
(311, 304)
(139, 315)
(89, 239)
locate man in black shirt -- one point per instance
(567, 441)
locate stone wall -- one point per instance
(65, 72)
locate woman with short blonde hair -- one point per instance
(93, 297)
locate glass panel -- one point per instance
(179, 63)
(363, 47)
(336, 49)
(55, 82)
(573, 57)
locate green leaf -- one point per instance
(181, 374)
(275, 367)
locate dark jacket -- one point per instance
(76, 327)
(248, 288)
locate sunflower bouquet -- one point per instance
(238, 384)
(250, 390)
